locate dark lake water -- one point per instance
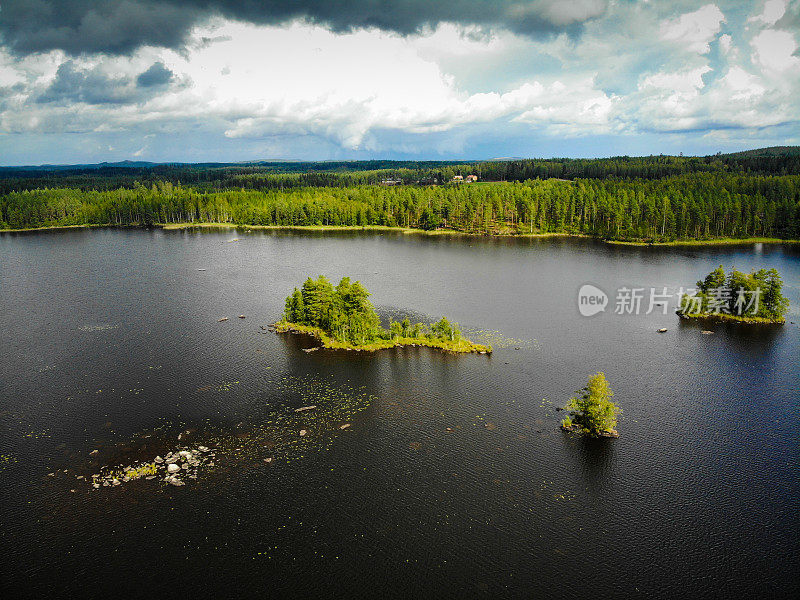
(111, 341)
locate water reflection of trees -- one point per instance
(595, 458)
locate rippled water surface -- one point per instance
(111, 341)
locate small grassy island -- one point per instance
(592, 412)
(343, 318)
(739, 297)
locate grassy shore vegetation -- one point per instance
(687, 206)
(342, 317)
(707, 242)
(755, 297)
(592, 411)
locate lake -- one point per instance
(111, 340)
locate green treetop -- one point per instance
(593, 410)
(715, 279)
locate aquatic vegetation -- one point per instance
(497, 339)
(37, 435)
(276, 435)
(273, 437)
(225, 386)
(6, 460)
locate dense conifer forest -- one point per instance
(659, 198)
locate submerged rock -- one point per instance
(173, 468)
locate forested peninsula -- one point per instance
(658, 199)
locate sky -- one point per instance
(224, 80)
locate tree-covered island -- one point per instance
(740, 297)
(342, 317)
(592, 412)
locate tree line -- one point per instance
(688, 206)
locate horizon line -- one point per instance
(146, 163)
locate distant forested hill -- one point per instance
(771, 151)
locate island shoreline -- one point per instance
(726, 318)
(461, 346)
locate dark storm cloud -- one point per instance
(157, 74)
(90, 86)
(121, 26)
(93, 86)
